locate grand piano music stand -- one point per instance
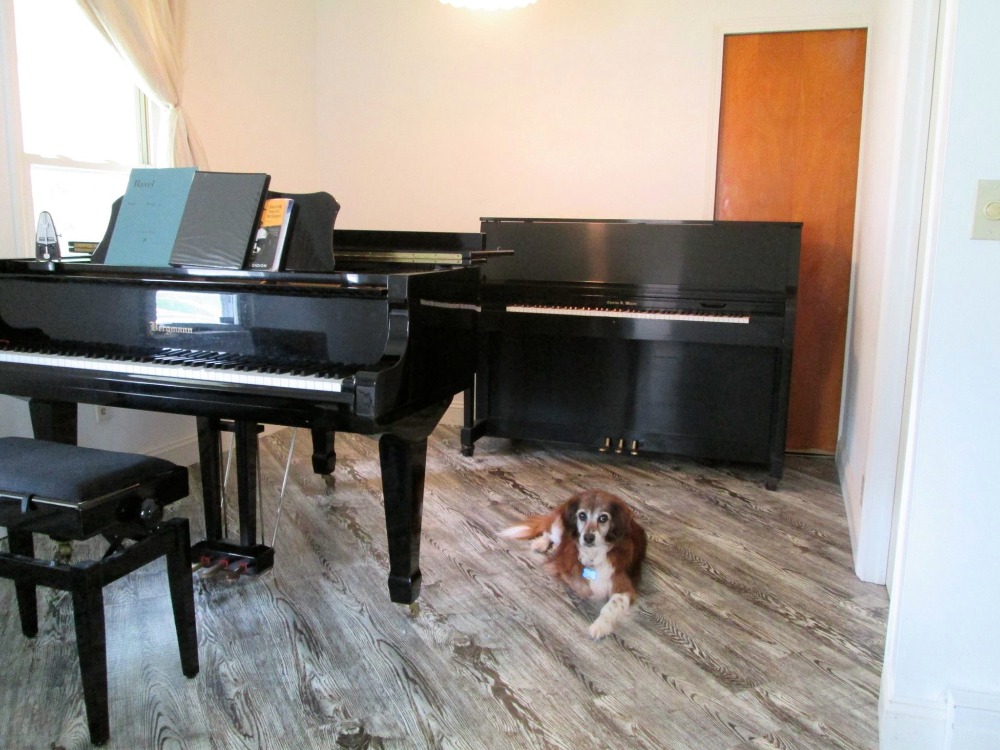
(71, 493)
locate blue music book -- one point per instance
(149, 217)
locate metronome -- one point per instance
(46, 239)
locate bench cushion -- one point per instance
(38, 468)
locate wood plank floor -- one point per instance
(751, 631)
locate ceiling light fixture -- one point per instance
(488, 4)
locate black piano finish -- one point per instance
(702, 387)
(399, 340)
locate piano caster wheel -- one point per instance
(64, 552)
(467, 450)
(413, 609)
(330, 480)
(771, 484)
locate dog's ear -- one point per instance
(569, 510)
(620, 518)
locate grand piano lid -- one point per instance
(370, 280)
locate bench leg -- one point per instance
(182, 595)
(88, 615)
(22, 543)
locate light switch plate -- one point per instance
(986, 220)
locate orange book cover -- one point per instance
(272, 233)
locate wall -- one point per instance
(941, 678)
(893, 161)
(428, 117)
(169, 436)
(250, 88)
(434, 117)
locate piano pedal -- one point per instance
(236, 569)
(210, 568)
(634, 449)
(233, 559)
(620, 448)
(607, 445)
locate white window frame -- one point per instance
(17, 226)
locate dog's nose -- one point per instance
(588, 538)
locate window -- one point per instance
(82, 118)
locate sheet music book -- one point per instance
(149, 217)
(272, 235)
(219, 223)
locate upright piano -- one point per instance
(378, 346)
(638, 337)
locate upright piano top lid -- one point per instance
(725, 256)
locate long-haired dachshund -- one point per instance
(595, 547)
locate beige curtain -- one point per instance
(147, 34)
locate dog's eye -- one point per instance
(603, 518)
(582, 515)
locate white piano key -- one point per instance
(595, 312)
(178, 372)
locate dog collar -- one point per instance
(590, 574)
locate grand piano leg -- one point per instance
(403, 464)
(248, 556)
(53, 420)
(469, 433)
(324, 457)
(403, 459)
(245, 445)
(210, 461)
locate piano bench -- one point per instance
(71, 493)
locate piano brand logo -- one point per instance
(155, 327)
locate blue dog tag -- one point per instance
(590, 574)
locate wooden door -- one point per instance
(789, 130)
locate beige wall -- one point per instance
(417, 115)
(250, 89)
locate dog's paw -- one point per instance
(599, 629)
(541, 544)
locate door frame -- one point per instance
(870, 531)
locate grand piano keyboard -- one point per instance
(604, 312)
(187, 364)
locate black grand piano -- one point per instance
(639, 336)
(377, 346)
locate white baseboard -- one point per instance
(911, 725)
(965, 720)
(973, 721)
